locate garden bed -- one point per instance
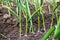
(10, 29)
(29, 20)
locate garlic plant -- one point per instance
(22, 7)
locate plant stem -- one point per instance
(28, 15)
(52, 18)
(20, 30)
(56, 16)
(43, 21)
(20, 22)
(38, 23)
(53, 7)
(31, 25)
(26, 24)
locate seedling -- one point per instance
(54, 7)
(39, 9)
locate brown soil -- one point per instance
(10, 29)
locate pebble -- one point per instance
(6, 16)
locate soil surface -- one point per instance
(10, 29)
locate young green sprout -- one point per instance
(52, 3)
(39, 9)
(19, 11)
(36, 7)
(28, 15)
(42, 13)
(54, 9)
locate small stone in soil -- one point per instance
(6, 16)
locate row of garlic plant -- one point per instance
(55, 28)
(38, 4)
(23, 7)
